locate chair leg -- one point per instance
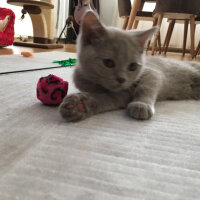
(159, 44)
(135, 25)
(165, 42)
(154, 24)
(148, 44)
(135, 7)
(160, 17)
(192, 32)
(169, 34)
(197, 50)
(186, 22)
(125, 23)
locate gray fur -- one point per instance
(154, 79)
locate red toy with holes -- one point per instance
(51, 89)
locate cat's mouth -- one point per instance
(114, 87)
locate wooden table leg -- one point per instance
(135, 7)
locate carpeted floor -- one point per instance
(16, 63)
(108, 156)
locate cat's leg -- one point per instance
(82, 105)
(145, 95)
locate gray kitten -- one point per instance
(113, 73)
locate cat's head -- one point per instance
(109, 56)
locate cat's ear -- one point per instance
(91, 28)
(144, 36)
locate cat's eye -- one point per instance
(132, 66)
(108, 63)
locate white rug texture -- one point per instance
(106, 157)
(12, 63)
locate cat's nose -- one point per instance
(121, 80)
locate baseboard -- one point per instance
(30, 39)
(173, 49)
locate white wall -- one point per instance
(109, 12)
(63, 14)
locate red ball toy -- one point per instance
(51, 89)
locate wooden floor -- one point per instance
(72, 48)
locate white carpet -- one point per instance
(10, 63)
(106, 157)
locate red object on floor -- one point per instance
(51, 89)
(7, 36)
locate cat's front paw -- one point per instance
(140, 110)
(74, 107)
